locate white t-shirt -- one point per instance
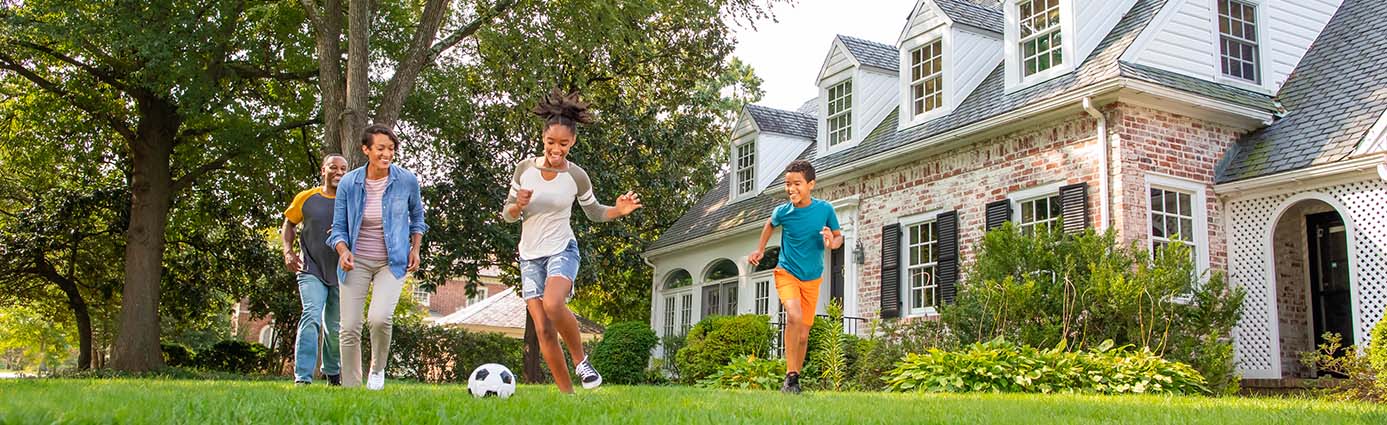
(545, 230)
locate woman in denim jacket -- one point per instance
(377, 227)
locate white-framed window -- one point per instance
(1239, 56)
(685, 313)
(422, 295)
(1177, 211)
(477, 297)
(840, 113)
(926, 77)
(1040, 37)
(669, 316)
(762, 298)
(745, 167)
(1043, 210)
(921, 258)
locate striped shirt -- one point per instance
(370, 243)
(546, 229)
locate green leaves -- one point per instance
(1001, 366)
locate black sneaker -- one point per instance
(588, 375)
(334, 380)
(791, 385)
(301, 383)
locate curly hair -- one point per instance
(558, 108)
(803, 167)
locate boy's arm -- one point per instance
(755, 257)
(833, 238)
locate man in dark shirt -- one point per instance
(310, 217)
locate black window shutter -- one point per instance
(997, 213)
(946, 228)
(890, 271)
(1074, 207)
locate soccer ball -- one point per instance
(491, 379)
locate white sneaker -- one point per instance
(376, 381)
(588, 375)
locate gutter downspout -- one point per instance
(1104, 209)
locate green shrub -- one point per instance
(668, 364)
(1048, 289)
(716, 340)
(439, 354)
(830, 353)
(1000, 366)
(1377, 353)
(747, 373)
(624, 352)
(888, 342)
(178, 355)
(235, 356)
(1353, 375)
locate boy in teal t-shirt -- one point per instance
(808, 227)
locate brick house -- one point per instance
(1251, 129)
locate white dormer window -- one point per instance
(840, 113)
(745, 170)
(1237, 33)
(926, 77)
(1040, 36)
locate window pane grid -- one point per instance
(763, 297)
(1041, 39)
(669, 316)
(927, 77)
(840, 113)
(1044, 211)
(686, 313)
(746, 167)
(1237, 28)
(922, 257)
(1172, 218)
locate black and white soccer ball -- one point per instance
(491, 379)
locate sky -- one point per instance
(787, 54)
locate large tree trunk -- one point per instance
(328, 37)
(151, 190)
(354, 117)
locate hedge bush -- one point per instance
(748, 373)
(1001, 366)
(235, 356)
(1045, 288)
(439, 354)
(178, 355)
(624, 351)
(888, 342)
(716, 340)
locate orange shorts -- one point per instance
(791, 288)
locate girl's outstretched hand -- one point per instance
(628, 203)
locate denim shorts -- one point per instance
(534, 273)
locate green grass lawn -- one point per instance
(206, 402)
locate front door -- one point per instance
(836, 283)
(1329, 278)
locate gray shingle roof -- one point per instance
(791, 123)
(1332, 99)
(984, 14)
(1196, 85)
(872, 53)
(712, 213)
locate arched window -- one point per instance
(678, 279)
(720, 288)
(267, 335)
(678, 302)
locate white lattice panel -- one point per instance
(1365, 206)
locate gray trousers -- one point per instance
(387, 293)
